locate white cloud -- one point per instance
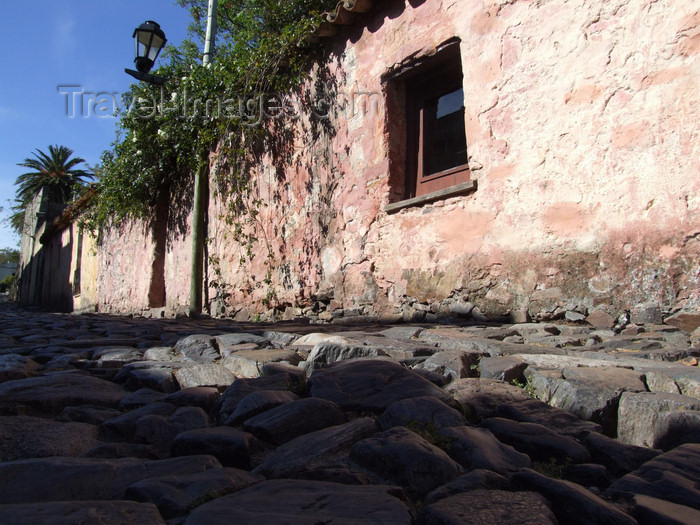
(65, 41)
(8, 113)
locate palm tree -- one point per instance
(56, 171)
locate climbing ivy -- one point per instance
(166, 132)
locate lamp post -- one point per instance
(201, 188)
(149, 40)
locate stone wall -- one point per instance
(125, 272)
(28, 270)
(45, 265)
(581, 121)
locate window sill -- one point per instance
(459, 189)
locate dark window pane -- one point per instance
(444, 138)
(450, 103)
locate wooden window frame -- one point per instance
(439, 76)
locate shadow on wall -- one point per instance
(44, 274)
(279, 153)
(45, 279)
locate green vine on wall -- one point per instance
(166, 132)
(226, 109)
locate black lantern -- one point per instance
(149, 40)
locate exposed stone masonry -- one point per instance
(134, 420)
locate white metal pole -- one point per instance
(210, 41)
(201, 179)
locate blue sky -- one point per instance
(51, 43)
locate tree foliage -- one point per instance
(7, 282)
(58, 171)
(9, 255)
(166, 132)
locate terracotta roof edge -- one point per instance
(344, 14)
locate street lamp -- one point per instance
(149, 40)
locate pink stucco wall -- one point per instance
(124, 260)
(582, 131)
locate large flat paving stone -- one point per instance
(316, 450)
(88, 414)
(74, 479)
(686, 378)
(13, 366)
(124, 450)
(232, 447)
(370, 384)
(299, 502)
(198, 348)
(535, 411)
(407, 459)
(315, 338)
(250, 363)
(672, 476)
(228, 401)
(504, 368)
(571, 503)
(397, 348)
(591, 393)
(258, 402)
(619, 458)
(454, 364)
(477, 479)
(176, 495)
(324, 354)
(157, 375)
(456, 339)
(478, 448)
(203, 397)
(141, 397)
(651, 511)
(52, 393)
(82, 513)
(291, 420)
(160, 431)
(421, 412)
(116, 354)
(644, 418)
(537, 441)
(124, 426)
(203, 375)
(24, 437)
(483, 398)
(226, 341)
(490, 507)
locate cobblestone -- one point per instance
(137, 392)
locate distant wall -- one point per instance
(44, 267)
(125, 271)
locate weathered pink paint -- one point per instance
(582, 131)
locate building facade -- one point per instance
(492, 158)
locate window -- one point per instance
(433, 137)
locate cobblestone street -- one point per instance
(135, 420)
(350, 262)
